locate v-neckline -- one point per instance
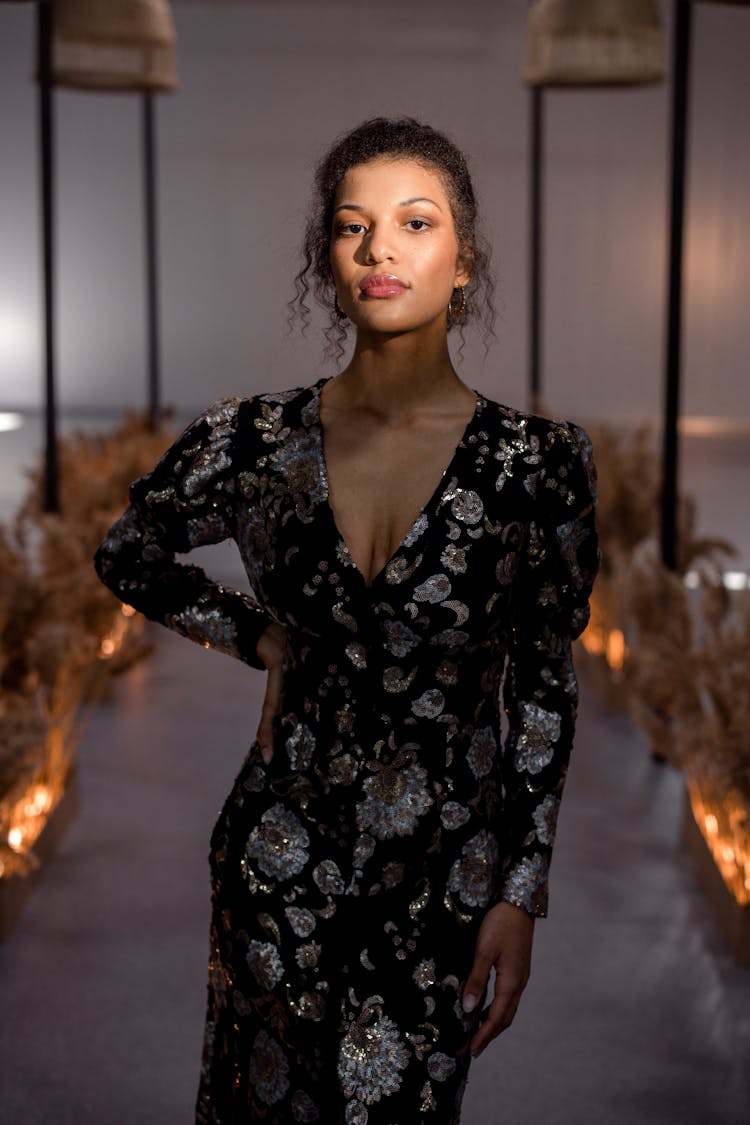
(317, 428)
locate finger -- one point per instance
(269, 710)
(477, 981)
(499, 1017)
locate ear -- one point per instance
(464, 268)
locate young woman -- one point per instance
(410, 544)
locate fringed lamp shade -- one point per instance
(117, 45)
(594, 42)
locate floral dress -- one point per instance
(351, 874)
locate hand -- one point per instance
(504, 940)
(270, 649)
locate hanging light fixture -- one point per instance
(117, 45)
(594, 42)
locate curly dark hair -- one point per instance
(385, 137)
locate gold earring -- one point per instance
(457, 313)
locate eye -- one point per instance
(351, 228)
(418, 224)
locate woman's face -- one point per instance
(394, 251)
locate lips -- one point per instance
(382, 285)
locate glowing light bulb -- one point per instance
(42, 798)
(593, 642)
(616, 649)
(15, 838)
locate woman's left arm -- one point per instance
(541, 698)
(541, 689)
(188, 500)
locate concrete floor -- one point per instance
(634, 1015)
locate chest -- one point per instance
(379, 480)
(435, 559)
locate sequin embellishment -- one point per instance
(351, 872)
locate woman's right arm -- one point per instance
(188, 500)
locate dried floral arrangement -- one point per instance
(62, 633)
(627, 515)
(690, 671)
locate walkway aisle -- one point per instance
(634, 1014)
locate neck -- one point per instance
(398, 376)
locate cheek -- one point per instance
(343, 266)
(438, 263)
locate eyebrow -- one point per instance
(403, 203)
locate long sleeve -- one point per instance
(540, 688)
(187, 501)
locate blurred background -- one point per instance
(264, 87)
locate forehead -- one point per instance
(389, 181)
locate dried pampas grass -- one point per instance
(690, 669)
(58, 622)
(627, 517)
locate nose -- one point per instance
(380, 246)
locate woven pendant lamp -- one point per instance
(594, 42)
(117, 45)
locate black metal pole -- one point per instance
(535, 250)
(670, 464)
(152, 281)
(46, 138)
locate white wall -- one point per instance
(265, 87)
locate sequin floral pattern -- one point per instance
(350, 874)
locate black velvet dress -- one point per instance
(350, 876)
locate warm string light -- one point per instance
(725, 826)
(67, 670)
(724, 817)
(600, 639)
(23, 825)
(26, 820)
(609, 643)
(616, 649)
(112, 643)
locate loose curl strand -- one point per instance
(398, 138)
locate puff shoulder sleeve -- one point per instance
(187, 501)
(540, 688)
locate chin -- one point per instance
(389, 318)
(391, 328)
